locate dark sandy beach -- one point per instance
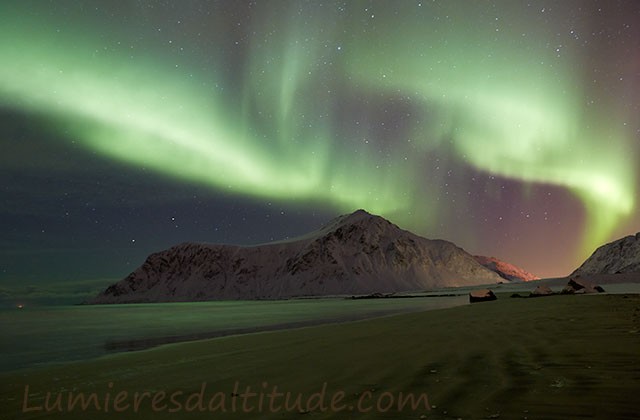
(560, 357)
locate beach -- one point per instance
(557, 357)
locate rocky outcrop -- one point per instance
(541, 290)
(579, 285)
(355, 254)
(621, 256)
(481, 295)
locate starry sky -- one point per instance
(508, 127)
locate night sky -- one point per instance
(508, 127)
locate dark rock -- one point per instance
(542, 290)
(579, 285)
(482, 295)
(373, 296)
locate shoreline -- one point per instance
(124, 346)
(264, 317)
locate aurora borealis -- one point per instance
(508, 127)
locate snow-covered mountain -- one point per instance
(621, 256)
(505, 270)
(357, 253)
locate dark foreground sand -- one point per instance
(559, 357)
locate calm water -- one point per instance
(51, 334)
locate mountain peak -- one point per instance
(344, 219)
(357, 216)
(361, 212)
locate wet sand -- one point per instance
(115, 346)
(558, 357)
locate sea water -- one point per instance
(37, 335)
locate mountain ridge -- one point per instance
(357, 253)
(505, 270)
(617, 257)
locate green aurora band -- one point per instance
(506, 109)
(496, 102)
(144, 114)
